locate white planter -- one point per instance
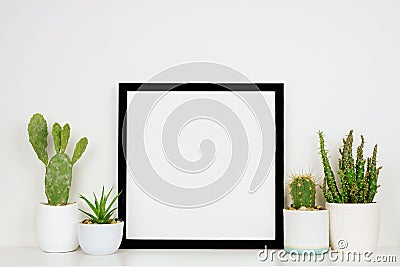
(354, 227)
(100, 239)
(55, 227)
(306, 230)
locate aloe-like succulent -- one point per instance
(58, 176)
(102, 213)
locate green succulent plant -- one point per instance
(102, 213)
(302, 188)
(58, 176)
(358, 177)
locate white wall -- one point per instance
(340, 62)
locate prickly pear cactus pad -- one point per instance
(65, 133)
(56, 132)
(37, 130)
(79, 149)
(58, 179)
(58, 176)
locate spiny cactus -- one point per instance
(58, 176)
(302, 189)
(331, 195)
(358, 185)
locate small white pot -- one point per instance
(100, 239)
(306, 231)
(354, 227)
(55, 227)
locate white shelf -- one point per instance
(34, 256)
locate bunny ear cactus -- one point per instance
(58, 176)
(302, 189)
(358, 184)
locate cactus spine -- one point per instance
(358, 184)
(302, 189)
(58, 175)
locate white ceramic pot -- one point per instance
(55, 227)
(354, 227)
(100, 239)
(306, 230)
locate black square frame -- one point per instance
(277, 243)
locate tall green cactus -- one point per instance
(58, 176)
(302, 189)
(333, 192)
(374, 173)
(360, 170)
(358, 185)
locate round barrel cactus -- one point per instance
(302, 189)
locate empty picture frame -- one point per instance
(200, 165)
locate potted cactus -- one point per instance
(354, 216)
(306, 225)
(55, 220)
(100, 233)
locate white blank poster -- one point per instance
(200, 165)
